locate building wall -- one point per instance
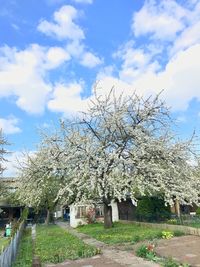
(115, 212)
(74, 221)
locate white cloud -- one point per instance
(9, 125)
(14, 161)
(162, 21)
(67, 99)
(15, 26)
(75, 49)
(181, 119)
(11, 164)
(90, 60)
(83, 1)
(23, 74)
(180, 80)
(105, 72)
(168, 59)
(63, 26)
(56, 56)
(189, 37)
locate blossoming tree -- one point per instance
(38, 186)
(122, 146)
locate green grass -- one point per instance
(4, 241)
(24, 256)
(121, 233)
(54, 244)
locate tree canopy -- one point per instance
(122, 146)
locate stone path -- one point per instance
(111, 257)
(185, 249)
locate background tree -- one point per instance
(3, 151)
(38, 186)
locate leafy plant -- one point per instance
(167, 235)
(141, 251)
(170, 262)
(146, 251)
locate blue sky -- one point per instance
(53, 51)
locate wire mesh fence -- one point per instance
(8, 256)
(191, 220)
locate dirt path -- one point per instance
(110, 256)
(185, 249)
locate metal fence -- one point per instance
(8, 256)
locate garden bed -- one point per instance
(24, 255)
(54, 245)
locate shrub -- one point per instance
(178, 233)
(152, 209)
(172, 221)
(198, 211)
(90, 215)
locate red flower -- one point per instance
(150, 247)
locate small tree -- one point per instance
(38, 186)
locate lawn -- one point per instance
(121, 233)
(54, 244)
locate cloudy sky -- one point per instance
(53, 51)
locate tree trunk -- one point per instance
(107, 215)
(47, 217)
(177, 208)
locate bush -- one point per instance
(172, 221)
(90, 215)
(198, 211)
(152, 209)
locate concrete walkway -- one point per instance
(111, 256)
